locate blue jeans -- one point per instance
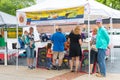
(101, 61)
(30, 52)
(49, 62)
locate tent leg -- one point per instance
(112, 52)
(88, 33)
(36, 52)
(17, 49)
(6, 48)
(89, 41)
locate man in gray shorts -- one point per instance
(58, 40)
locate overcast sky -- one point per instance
(38, 1)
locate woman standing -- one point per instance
(93, 52)
(75, 48)
(30, 45)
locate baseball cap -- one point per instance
(99, 20)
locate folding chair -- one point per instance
(66, 61)
(84, 61)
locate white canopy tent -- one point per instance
(93, 10)
(7, 19)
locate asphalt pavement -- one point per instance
(22, 73)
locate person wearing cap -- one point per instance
(102, 41)
(58, 40)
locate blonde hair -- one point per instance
(76, 30)
(95, 30)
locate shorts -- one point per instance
(30, 52)
(59, 55)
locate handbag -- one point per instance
(93, 47)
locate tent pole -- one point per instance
(17, 49)
(6, 48)
(89, 41)
(111, 38)
(112, 52)
(36, 51)
(89, 34)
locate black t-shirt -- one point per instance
(75, 47)
(74, 38)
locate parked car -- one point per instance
(45, 37)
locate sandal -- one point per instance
(99, 75)
(72, 71)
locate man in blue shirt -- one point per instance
(58, 40)
(102, 41)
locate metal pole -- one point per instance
(111, 36)
(17, 49)
(88, 13)
(112, 52)
(6, 48)
(17, 54)
(89, 41)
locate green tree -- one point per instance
(10, 6)
(111, 3)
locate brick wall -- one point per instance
(68, 28)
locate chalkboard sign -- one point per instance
(41, 58)
(85, 62)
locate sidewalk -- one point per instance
(23, 73)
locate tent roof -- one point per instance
(96, 9)
(51, 5)
(7, 19)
